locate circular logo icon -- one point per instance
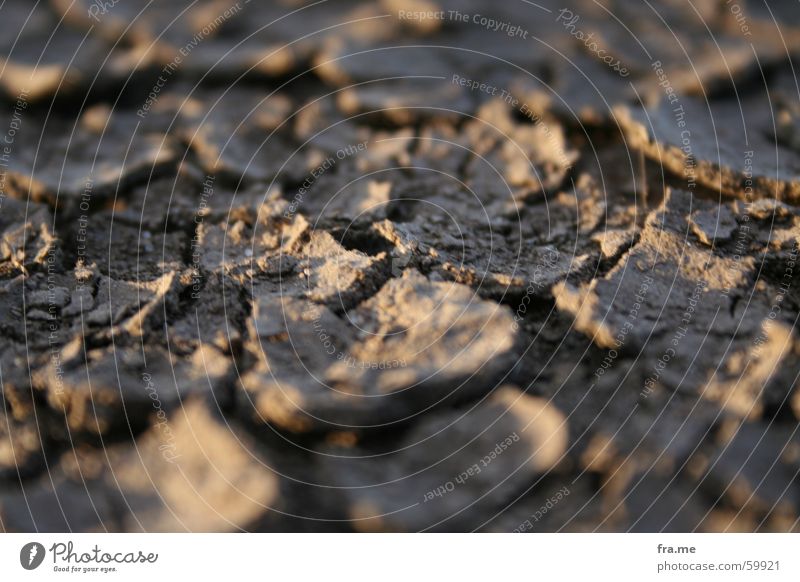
(31, 555)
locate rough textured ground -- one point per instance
(378, 266)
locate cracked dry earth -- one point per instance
(350, 267)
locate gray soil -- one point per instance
(366, 269)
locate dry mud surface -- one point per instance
(402, 265)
